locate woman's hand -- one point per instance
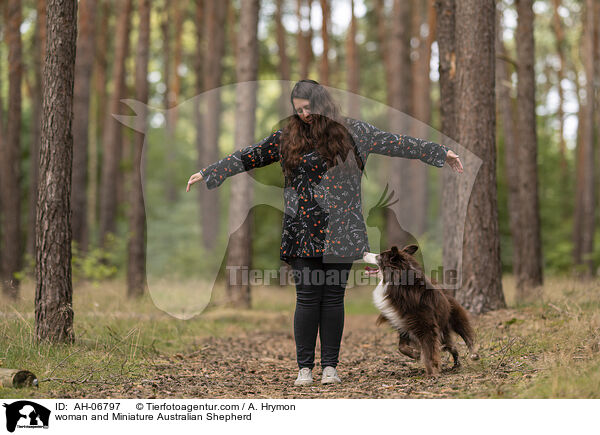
(454, 162)
(193, 179)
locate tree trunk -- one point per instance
(9, 161)
(507, 113)
(352, 67)
(588, 195)
(417, 176)
(304, 38)
(100, 93)
(284, 61)
(400, 97)
(421, 69)
(383, 41)
(216, 13)
(579, 187)
(446, 39)
(2, 139)
(136, 266)
(112, 139)
(302, 63)
(83, 74)
(240, 244)
(481, 289)
(200, 56)
(54, 291)
(36, 101)
(324, 68)
(232, 20)
(172, 87)
(597, 111)
(530, 257)
(177, 60)
(560, 42)
(166, 52)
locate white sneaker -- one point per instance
(304, 376)
(330, 376)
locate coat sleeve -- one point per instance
(373, 140)
(258, 155)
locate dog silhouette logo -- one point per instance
(26, 414)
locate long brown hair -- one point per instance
(327, 133)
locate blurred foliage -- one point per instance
(173, 228)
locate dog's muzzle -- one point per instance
(372, 258)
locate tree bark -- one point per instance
(240, 243)
(172, 88)
(200, 57)
(560, 42)
(232, 19)
(530, 257)
(324, 67)
(481, 289)
(588, 195)
(507, 113)
(9, 160)
(36, 99)
(579, 185)
(112, 140)
(100, 94)
(597, 110)
(352, 68)
(136, 266)
(284, 61)
(54, 291)
(446, 38)
(84, 64)
(417, 175)
(400, 102)
(2, 139)
(421, 69)
(216, 13)
(166, 52)
(383, 41)
(305, 52)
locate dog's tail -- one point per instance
(461, 324)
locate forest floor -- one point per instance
(127, 349)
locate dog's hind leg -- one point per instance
(404, 346)
(450, 347)
(461, 324)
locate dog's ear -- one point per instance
(410, 249)
(395, 253)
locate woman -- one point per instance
(322, 156)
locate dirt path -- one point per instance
(262, 365)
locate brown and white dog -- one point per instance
(423, 314)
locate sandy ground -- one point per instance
(262, 365)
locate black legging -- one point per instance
(320, 288)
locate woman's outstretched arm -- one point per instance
(260, 154)
(374, 140)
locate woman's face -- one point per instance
(302, 107)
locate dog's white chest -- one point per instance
(386, 308)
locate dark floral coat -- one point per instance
(322, 207)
